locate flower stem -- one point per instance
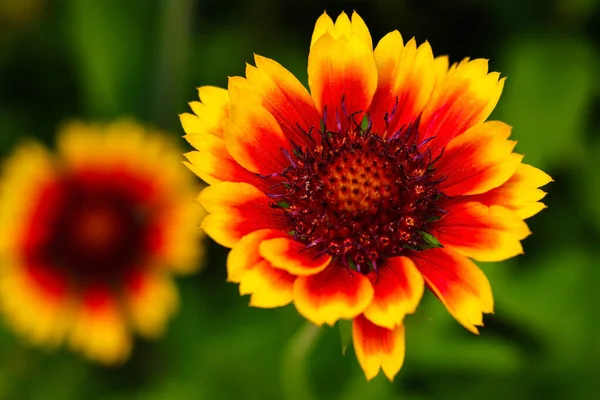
(296, 385)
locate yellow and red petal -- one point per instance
(245, 254)
(465, 98)
(252, 135)
(459, 284)
(213, 163)
(27, 186)
(478, 160)
(36, 302)
(237, 209)
(406, 75)
(520, 193)
(268, 286)
(342, 77)
(398, 287)
(440, 65)
(293, 257)
(176, 239)
(484, 233)
(343, 27)
(150, 299)
(323, 26)
(378, 348)
(99, 327)
(78, 148)
(333, 294)
(210, 112)
(213, 95)
(286, 99)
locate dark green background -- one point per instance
(103, 59)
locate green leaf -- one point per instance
(352, 265)
(364, 124)
(283, 204)
(294, 367)
(588, 181)
(551, 81)
(112, 43)
(430, 240)
(442, 344)
(549, 298)
(345, 328)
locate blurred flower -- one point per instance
(348, 200)
(90, 236)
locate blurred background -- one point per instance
(102, 59)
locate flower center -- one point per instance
(360, 197)
(96, 229)
(93, 229)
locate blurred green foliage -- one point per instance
(99, 59)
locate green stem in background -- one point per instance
(294, 376)
(171, 65)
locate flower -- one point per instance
(90, 236)
(348, 200)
